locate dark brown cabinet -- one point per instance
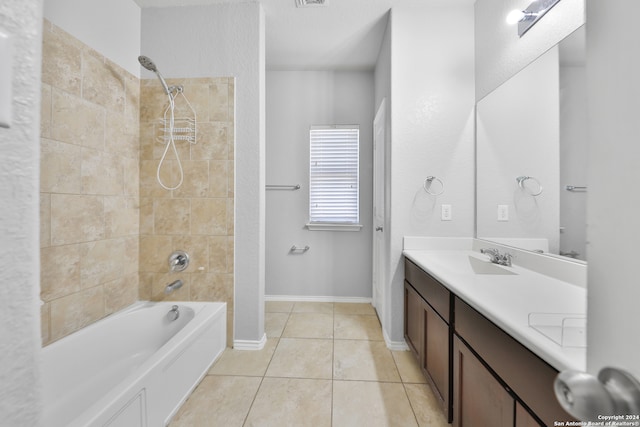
(427, 330)
(480, 374)
(479, 399)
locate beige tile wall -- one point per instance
(107, 227)
(89, 185)
(198, 216)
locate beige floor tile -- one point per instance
(291, 402)
(408, 367)
(245, 362)
(353, 308)
(371, 404)
(278, 306)
(363, 360)
(309, 325)
(313, 307)
(218, 401)
(425, 406)
(357, 327)
(302, 358)
(274, 324)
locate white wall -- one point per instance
(338, 264)
(518, 133)
(613, 67)
(216, 41)
(500, 53)
(20, 379)
(432, 90)
(110, 27)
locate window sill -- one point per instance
(333, 227)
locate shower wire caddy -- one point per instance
(184, 127)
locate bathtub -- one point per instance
(133, 368)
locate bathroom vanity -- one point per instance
(472, 327)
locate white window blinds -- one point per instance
(333, 174)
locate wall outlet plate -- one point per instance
(6, 80)
(446, 212)
(503, 212)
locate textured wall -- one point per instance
(432, 117)
(338, 263)
(197, 217)
(20, 383)
(227, 40)
(500, 53)
(89, 185)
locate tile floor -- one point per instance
(324, 364)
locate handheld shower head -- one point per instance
(147, 63)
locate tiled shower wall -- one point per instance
(89, 185)
(198, 216)
(107, 227)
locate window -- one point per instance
(334, 178)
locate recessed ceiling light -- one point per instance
(310, 3)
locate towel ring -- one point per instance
(430, 180)
(521, 179)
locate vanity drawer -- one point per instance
(429, 289)
(529, 377)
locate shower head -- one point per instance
(147, 63)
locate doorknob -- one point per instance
(589, 398)
(379, 228)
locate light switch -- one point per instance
(446, 212)
(503, 212)
(6, 67)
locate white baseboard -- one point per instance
(250, 344)
(395, 345)
(316, 299)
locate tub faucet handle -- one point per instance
(178, 261)
(174, 313)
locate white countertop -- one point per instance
(508, 299)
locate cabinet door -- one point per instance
(524, 419)
(435, 361)
(413, 320)
(479, 399)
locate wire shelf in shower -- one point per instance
(184, 128)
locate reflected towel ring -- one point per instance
(521, 179)
(430, 180)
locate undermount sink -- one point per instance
(487, 267)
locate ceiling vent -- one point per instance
(311, 3)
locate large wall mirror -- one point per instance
(532, 155)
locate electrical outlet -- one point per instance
(446, 212)
(503, 212)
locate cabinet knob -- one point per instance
(379, 228)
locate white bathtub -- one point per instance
(133, 368)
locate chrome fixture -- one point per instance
(427, 187)
(147, 63)
(310, 3)
(282, 187)
(527, 18)
(296, 249)
(173, 286)
(178, 261)
(173, 314)
(613, 392)
(496, 257)
(575, 188)
(522, 179)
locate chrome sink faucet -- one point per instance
(496, 257)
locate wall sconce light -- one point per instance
(532, 14)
